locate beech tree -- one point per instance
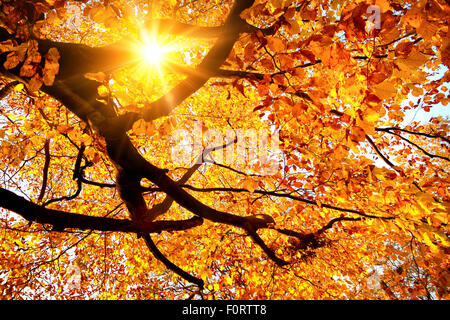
(224, 149)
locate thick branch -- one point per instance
(79, 95)
(313, 240)
(8, 88)
(61, 219)
(285, 195)
(269, 252)
(165, 205)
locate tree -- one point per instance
(227, 149)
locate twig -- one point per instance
(45, 170)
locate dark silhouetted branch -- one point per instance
(45, 170)
(170, 265)
(61, 219)
(428, 135)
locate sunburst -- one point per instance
(153, 51)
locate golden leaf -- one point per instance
(385, 90)
(12, 60)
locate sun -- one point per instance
(153, 50)
(153, 53)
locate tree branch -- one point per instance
(7, 88)
(257, 75)
(269, 252)
(419, 147)
(45, 169)
(329, 225)
(61, 219)
(286, 195)
(170, 265)
(428, 135)
(382, 156)
(165, 205)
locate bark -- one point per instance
(61, 220)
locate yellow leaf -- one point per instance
(6, 46)
(51, 67)
(249, 184)
(371, 115)
(384, 5)
(103, 91)
(52, 54)
(19, 87)
(340, 153)
(27, 70)
(86, 139)
(294, 28)
(99, 76)
(417, 91)
(383, 173)
(427, 238)
(443, 238)
(427, 29)
(139, 127)
(75, 134)
(367, 126)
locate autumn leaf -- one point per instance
(6, 46)
(12, 60)
(103, 91)
(357, 134)
(35, 83)
(28, 70)
(385, 90)
(51, 67)
(99, 76)
(275, 44)
(413, 61)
